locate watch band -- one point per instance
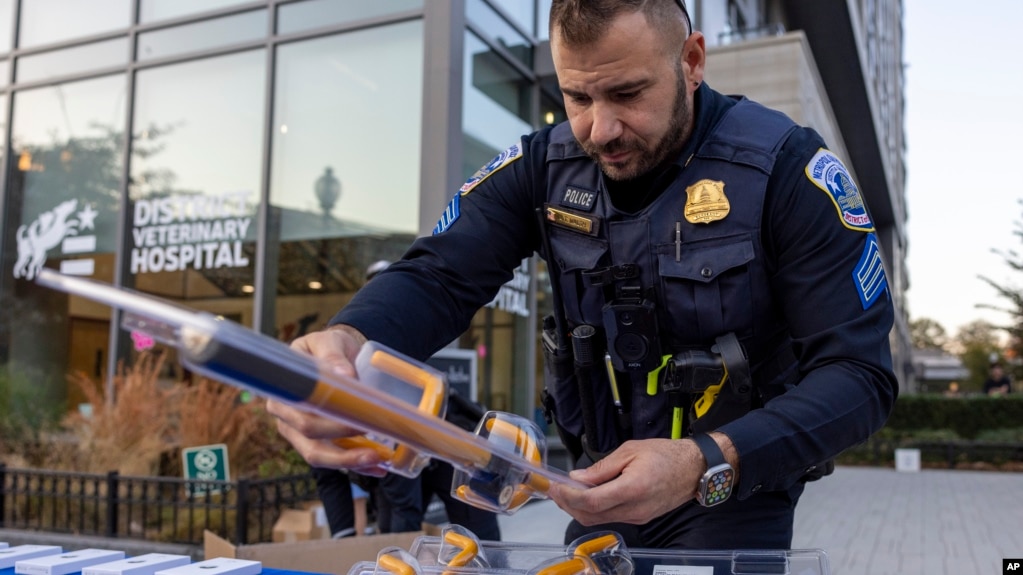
(711, 452)
(716, 484)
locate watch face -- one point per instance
(716, 485)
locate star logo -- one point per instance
(87, 218)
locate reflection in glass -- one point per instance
(72, 60)
(496, 104)
(495, 114)
(522, 11)
(6, 21)
(195, 173)
(63, 188)
(552, 103)
(543, 20)
(500, 31)
(299, 16)
(344, 184)
(202, 35)
(3, 128)
(66, 145)
(48, 21)
(154, 10)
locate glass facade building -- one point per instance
(249, 159)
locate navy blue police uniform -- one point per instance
(755, 232)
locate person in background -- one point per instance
(344, 502)
(717, 255)
(997, 382)
(953, 389)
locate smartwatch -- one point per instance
(716, 484)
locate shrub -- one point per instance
(142, 429)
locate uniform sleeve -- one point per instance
(828, 281)
(428, 298)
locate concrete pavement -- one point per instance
(878, 521)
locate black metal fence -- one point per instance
(163, 509)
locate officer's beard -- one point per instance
(666, 149)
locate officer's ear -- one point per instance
(694, 58)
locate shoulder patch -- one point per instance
(828, 173)
(869, 273)
(501, 160)
(451, 213)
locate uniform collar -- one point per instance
(709, 107)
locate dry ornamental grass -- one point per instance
(149, 420)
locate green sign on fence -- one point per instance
(205, 463)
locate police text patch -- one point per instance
(869, 273)
(827, 172)
(501, 160)
(450, 214)
(579, 198)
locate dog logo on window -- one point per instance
(42, 235)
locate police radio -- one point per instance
(630, 320)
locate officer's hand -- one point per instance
(637, 482)
(312, 435)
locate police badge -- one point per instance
(706, 202)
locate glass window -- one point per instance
(344, 184)
(5, 72)
(71, 60)
(552, 103)
(195, 179)
(496, 104)
(48, 21)
(500, 31)
(155, 10)
(3, 128)
(6, 24)
(299, 16)
(522, 11)
(63, 194)
(543, 20)
(202, 35)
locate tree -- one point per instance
(927, 333)
(1014, 295)
(976, 343)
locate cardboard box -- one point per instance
(300, 525)
(334, 556)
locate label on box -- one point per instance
(65, 563)
(147, 564)
(683, 570)
(11, 555)
(218, 566)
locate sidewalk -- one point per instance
(877, 521)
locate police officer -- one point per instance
(715, 258)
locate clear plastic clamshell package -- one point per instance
(457, 551)
(396, 401)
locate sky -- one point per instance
(964, 131)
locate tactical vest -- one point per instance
(706, 279)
